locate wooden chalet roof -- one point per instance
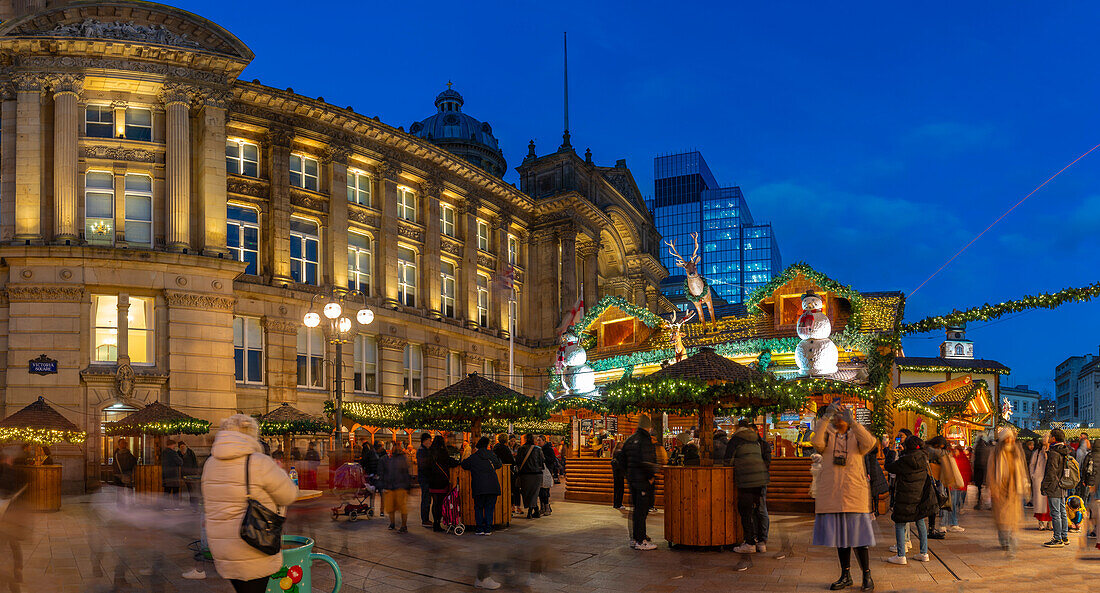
(707, 365)
(923, 393)
(39, 415)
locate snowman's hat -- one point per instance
(810, 293)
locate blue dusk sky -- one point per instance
(877, 138)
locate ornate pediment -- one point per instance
(126, 31)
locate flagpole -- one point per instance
(512, 339)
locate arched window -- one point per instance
(958, 349)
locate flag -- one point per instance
(576, 312)
(506, 280)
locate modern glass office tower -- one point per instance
(738, 255)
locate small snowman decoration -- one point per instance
(816, 354)
(577, 377)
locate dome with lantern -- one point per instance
(451, 129)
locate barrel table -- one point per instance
(502, 512)
(44, 487)
(701, 506)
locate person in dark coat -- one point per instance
(368, 460)
(529, 464)
(190, 469)
(720, 441)
(745, 452)
(171, 466)
(914, 499)
(439, 464)
(422, 463)
(879, 485)
(395, 481)
(484, 484)
(618, 474)
(980, 463)
(548, 456)
(639, 457)
(1052, 488)
(504, 454)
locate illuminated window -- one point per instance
(483, 300)
(303, 172)
(139, 124)
(139, 326)
(447, 220)
(311, 357)
(106, 328)
(243, 235)
(513, 250)
(304, 251)
(242, 158)
(99, 208)
(406, 276)
(483, 235)
(406, 204)
(447, 288)
(248, 350)
(359, 187)
(414, 368)
(99, 121)
(454, 367)
(366, 364)
(139, 210)
(359, 262)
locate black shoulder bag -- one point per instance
(261, 527)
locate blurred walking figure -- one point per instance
(1039, 501)
(312, 462)
(982, 451)
(123, 468)
(1090, 474)
(914, 499)
(16, 520)
(504, 454)
(843, 518)
(484, 484)
(171, 467)
(395, 481)
(530, 467)
(438, 467)
(639, 457)
(423, 471)
(190, 469)
(226, 496)
(944, 469)
(1008, 483)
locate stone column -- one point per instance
(28, 157)
(276, 255)
(210, 168)
(391, 368)
(544, 283)
(469, 261)
(591, 256)
(432, 191)
(7, 163)
(335, 260)
(123, 329)
(637, 286)
(177, 107)
(281, 345)
(568, 270)
(435, 368)
(66, 129)
(501, 295)
(388, 174)
(119, 176)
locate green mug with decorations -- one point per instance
(294, 576)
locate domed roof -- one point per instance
(461, 134)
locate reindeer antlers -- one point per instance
(675, 312)
(695, 254)
(672, 248)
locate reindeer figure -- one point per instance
(695, 287)
(677, 337)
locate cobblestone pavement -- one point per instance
(93, 545)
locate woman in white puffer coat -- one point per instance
(223, 493)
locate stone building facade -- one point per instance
(165, 226)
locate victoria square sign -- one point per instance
(43, 365)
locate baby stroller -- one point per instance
(350, 484)
(452, 513)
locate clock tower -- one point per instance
(956, 345)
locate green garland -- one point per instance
(692, 298)
(369, 414)
(295, 427)
(188, 426)
(646, 316)
(576, 403)
(989, 312)
(43, 437)
(764, 361)
(428, 412)
(916, 368)
(811, 274)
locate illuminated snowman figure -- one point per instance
(816, 354)
(577, 377)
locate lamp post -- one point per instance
(340, 333)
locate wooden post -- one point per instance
(286, 447)
(706, 435)
(475, 431)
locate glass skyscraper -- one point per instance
(738, 255)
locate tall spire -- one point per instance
(565, 135)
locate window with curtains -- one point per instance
(366, 364)
(483, 235)
(139, 210)
(311, 358)
(447, 288)
(359, 262)
(406, 204)
(305, 251)
(406, 276)
(242, 158)
(483, 300)
(243, 235)
(304, 172)
(447, 220)
(248, 350)
(414, 369)
(99, 208)
(359, 187)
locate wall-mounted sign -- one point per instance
(957, 382)
(43, 365)
(612, 424)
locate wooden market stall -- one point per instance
(287, 421)
(40, 425)
(155, 420)
(955, 409)
(466, 406)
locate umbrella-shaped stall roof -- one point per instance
(468, 403)
(40, 424)
(690, 383)
(157, 419)
(286, 419)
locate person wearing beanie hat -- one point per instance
(1056, 464)
(639, 456)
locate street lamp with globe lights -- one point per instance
(340, 332)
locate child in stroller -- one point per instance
(355, 492)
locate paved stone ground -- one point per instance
(94, 546)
